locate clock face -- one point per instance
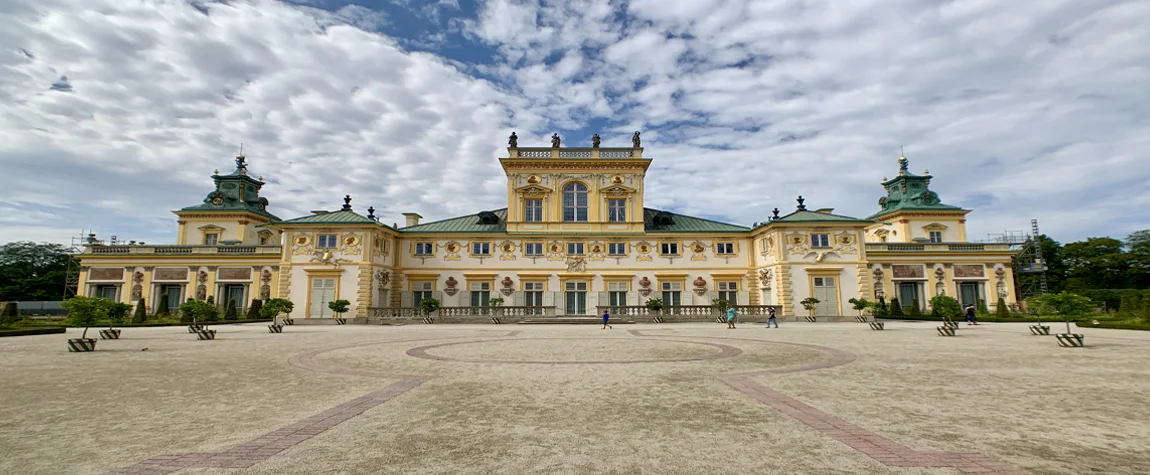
(217, 201)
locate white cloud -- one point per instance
(1020, 109)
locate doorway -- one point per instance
(908, 294)
(825, 291)
(233, 293)
(576, 295)
(970, 293)
(322, 292)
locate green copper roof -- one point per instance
(655, 221)
(464, 224)
(805, 216)
(910, 192)
(333, 217)
(235, 191)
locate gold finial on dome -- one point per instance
(926, 172)
(216, 171)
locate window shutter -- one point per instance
(437, 296)
(464, 299)
(407, 299)
(632, 298)
(604, 299)
(549, 300)
(744, 298)
(517, 299)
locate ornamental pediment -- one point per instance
(618, 190)
(533, 190)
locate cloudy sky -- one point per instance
(115, 112)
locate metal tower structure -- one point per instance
(1035, 264)
(72, 272)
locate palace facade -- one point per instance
(575, 236)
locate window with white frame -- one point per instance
(725, 248)
(533, 294)
(616, 211)
(729, 291)
(533, 248)
(672, 293)
(533, 210)
(480, 294)
(575, 202)
(383, 246)
(820, 240)
(575, 249)
(211, 239)
(936, 236)
(326, 241)
(424, 249)
(420, 291)
(576, 297)
(616, 249)
(669, 248)
(481, 248)
(617, 293)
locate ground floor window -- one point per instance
(175, 293)
(106, 291)
(480, 294)
(908, 293)
(617, 294)
(420, 291)
(970, 293)
(533, 294)
(576, 296)
(729, 291)
(672, 294)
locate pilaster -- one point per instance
(786, 292)
(363, 290)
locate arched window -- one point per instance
(575, 202)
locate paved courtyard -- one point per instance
(825, 398)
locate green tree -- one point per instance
(915, 310)
(896, 308)
(429, 305)
(809, 303)
(1001, 310)
(859, 304)
(1138, 251)
(194, 311)
(141, 313)
(1064, 303)
(254, 309)
(86, 311)
(33, 272)
(338, 306)
(721, 305)
(230, 311)
(274, 307)
(10, 315)
(118, 313)
(1097, 263)
(945, 307)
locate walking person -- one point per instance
(606, 316)
(771, 317)
(731, 317)
(970, 319)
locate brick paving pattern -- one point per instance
(726, 351)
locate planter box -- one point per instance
(946, 330)
(811, 319)
(861, 319)
(195, 328)
(206, 334)
(950, 324)
(1070, 340)
(81, 344)
(341, 321)
(275, 328)
(109, 334)
(288, 321)
(657, 319)
(877, 325)
(1040, 329)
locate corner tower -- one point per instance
(911, 212)
(566, 189)
(230, 214)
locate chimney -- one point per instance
(824, 210)
(412, 219)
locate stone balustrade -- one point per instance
(687, 310)
(934, 247)
(184, 250)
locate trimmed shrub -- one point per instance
(982, 309)
(896, 308)
(1001, 310)
(211, 300)
(944, 307)
(254, 310)
(141, 313)
(162, 310)
(915, 311)
(230, 311)
(10, 316)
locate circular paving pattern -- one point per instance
(587, 350)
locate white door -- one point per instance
(828, 296)
(322, 292)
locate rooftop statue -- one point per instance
(635, 140)
(555, 140)
(595, 141)
(240, 165)
(513, 141)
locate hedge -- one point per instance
(32, 331)
(1116, 325)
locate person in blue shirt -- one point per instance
(606, 316)
(771, 317)
(731, 317)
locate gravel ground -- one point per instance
(577, 399)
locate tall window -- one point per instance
(480, 294)
(533, 294)
(575, 202)
(616, 211)
(533, 210)
(423, 249)
(420, 291)
(533, 249)
(820, 240)
(576, 293)
(211, 239)
(729, 291)
(672, 294)
(617, 294)
(936, 236)
(325, 241)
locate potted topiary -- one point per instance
(1069, 306)
(428, 305)
(860, 305)
(339, 306)
(141, 313)
(721, 305)
(945, 308)
(655, 307)
(198, 310)
(810, 303)
(85, 312)
(272, 309)
(495, 303)
(117, 313)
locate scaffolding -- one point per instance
(1028, 256)
(76, 247)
